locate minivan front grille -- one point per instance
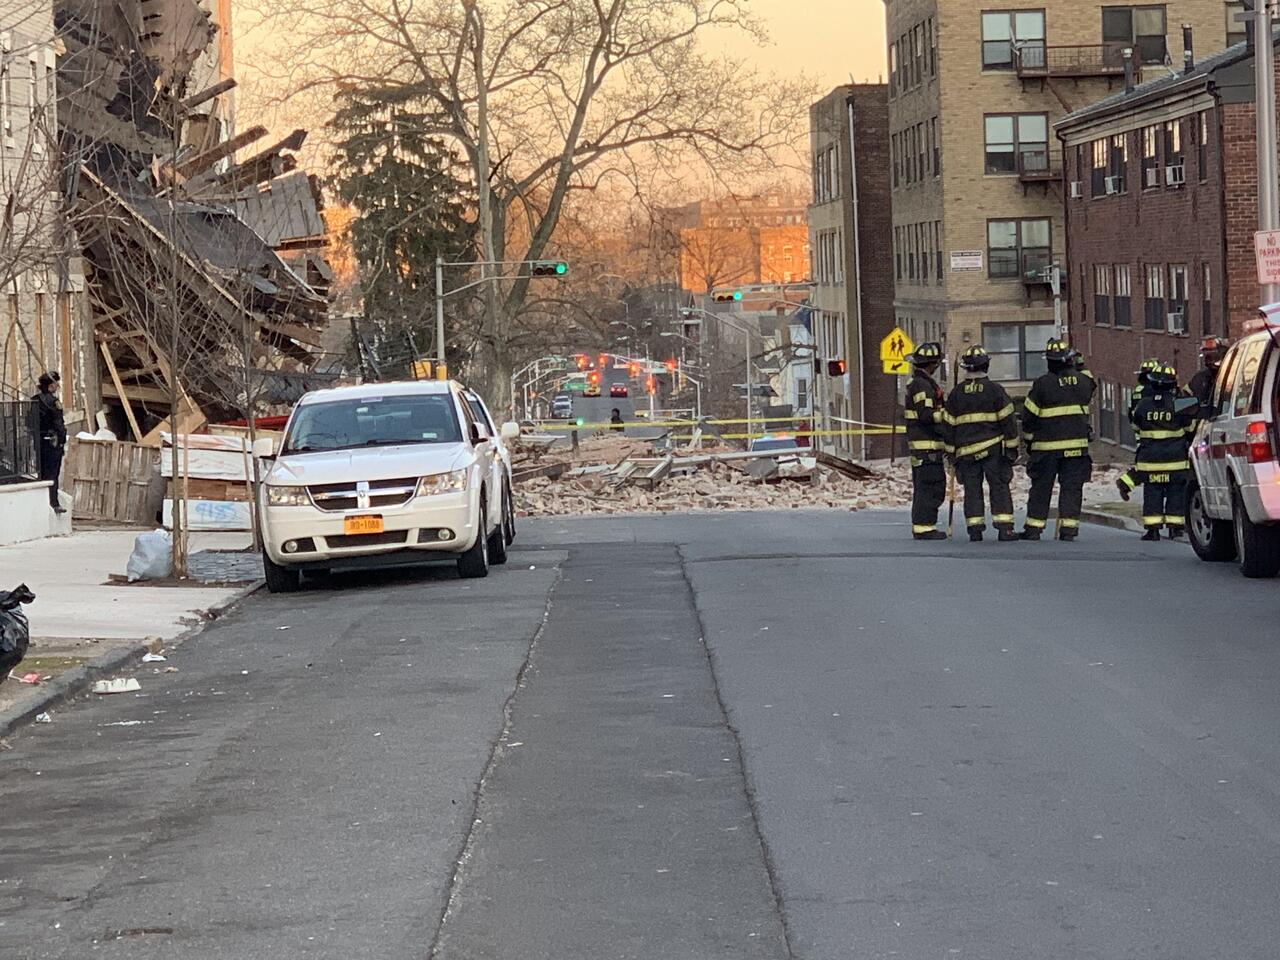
(346, 496)
(339, 540)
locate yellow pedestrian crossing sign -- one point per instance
(894, 350)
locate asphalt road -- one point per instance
(738, 735)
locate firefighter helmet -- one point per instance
(1163, 376)
(1145, 368)
(1212, 350)
(975, 359)
(1057, 350)
(926, 353)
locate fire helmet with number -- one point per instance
(975, 359)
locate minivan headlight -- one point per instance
(454, 481)
(278, 496)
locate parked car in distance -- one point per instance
(592, 389)
(385, 474)
(561, 406)
(618, 390)
(1233, 503)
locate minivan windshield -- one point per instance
(373, 422)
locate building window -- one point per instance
(1153, 303)
(893, 147)
(1127, 439)
(937, 148)
(1142, 28)
(1107, 410)
(897, 253)
(1102, 295)
(1117, 161)
(937, 246)
(893, 69)
(1150, 158)
(922, 131)
(1017, 142)
(1177, 298)
(1235, 28)
(1121, 314)
(1173, 143)
(1002, 29)
(1016, 247)
(6, 89)
(802, 393)
(1098, 170)
(1202, 144)
(1206, 299)
(933, 48)
(1017, 349)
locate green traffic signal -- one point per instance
(733, 297)
(581, 421)
(562, 268)
(548, 268)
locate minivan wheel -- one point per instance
(1257, 547)
(1212, 540)
(279, 579)
(498, 539)
(475, 562)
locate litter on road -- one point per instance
(117, 685)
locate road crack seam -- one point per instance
(775, 881)
(463, 856)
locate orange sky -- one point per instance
(827, 39)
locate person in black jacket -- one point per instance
(50, 429)
(1128, 481)
(1164, 435)
(984, 441)
(1055, 422)
(1212, 352)
(926, 439)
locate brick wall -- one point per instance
(1240, 189)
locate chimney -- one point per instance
(1127, 55)
(1188, 55)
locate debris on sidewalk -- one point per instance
(153, 657)
(44, 718)
(152, 557)
(117, 685)
(15, 635)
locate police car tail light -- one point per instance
(1257, 442)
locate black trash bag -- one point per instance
(15, 637)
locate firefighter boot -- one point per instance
(1175, 531)
(1153, 533)
(1031, 533)
(930, 535)
(1007, 535)
(975, 534)
(1068, 533)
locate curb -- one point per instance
(69, 685)
(1113, 520)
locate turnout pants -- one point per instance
(998, 474)
(1071, 473)
(928, 490)
(51, 467)
(1164, 499)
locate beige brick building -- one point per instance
(974, 90)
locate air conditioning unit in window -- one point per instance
(1177, 321)
(1151, 177)
(1113, 185)
(1076, 190)
(1175, 176)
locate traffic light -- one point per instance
(581, 360)
(727, 296)
(594, 376)
(836, 368)
(671, 366)
(651, 385)
(602, 360)
(549, 268)
(633, 369)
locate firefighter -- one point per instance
(50, 429)
(1163, 433)
(1055, 424)
(926, 439)
(984, 442)
(1128, 481)
(1212, 352)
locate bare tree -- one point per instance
(544, 98)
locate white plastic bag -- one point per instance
(152, 557)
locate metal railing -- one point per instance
(1034, 164)
(1036, 59)
(19, 452)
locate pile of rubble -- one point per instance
(615, 474)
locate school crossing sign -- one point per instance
(894, 350)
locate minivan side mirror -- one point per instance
(264, 448)
(479, 434)
(509, 430)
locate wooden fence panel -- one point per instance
(112, 480)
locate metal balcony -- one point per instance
(1036, 60)
(1034, 167)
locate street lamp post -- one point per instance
(747, 333)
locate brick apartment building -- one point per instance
(1160, 215)
(977, 189)
(853, 268)
(740, 240)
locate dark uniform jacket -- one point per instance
(926, 419)
(1163, 432)
(1056, 414)
(1201, 385)
(980, 419)
(47, 420)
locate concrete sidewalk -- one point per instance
(80, 616)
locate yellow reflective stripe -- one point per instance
(1162, 467)
(910, 415)
(980, 417)
(1079, 443)
(923, 527)
(1129, 480)
(1005, 411)
(926, 445)
(1010, 441)
(1032, 407)
(923, 398)
(1068, 522)
(1035, 524)
(1171, 518)
(1154, 520)
(1002, 518)
(977, 447)
(1161, 434)
(1067, 410)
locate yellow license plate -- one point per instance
(357, 525)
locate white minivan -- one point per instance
(1233, 505)
(385, 474)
